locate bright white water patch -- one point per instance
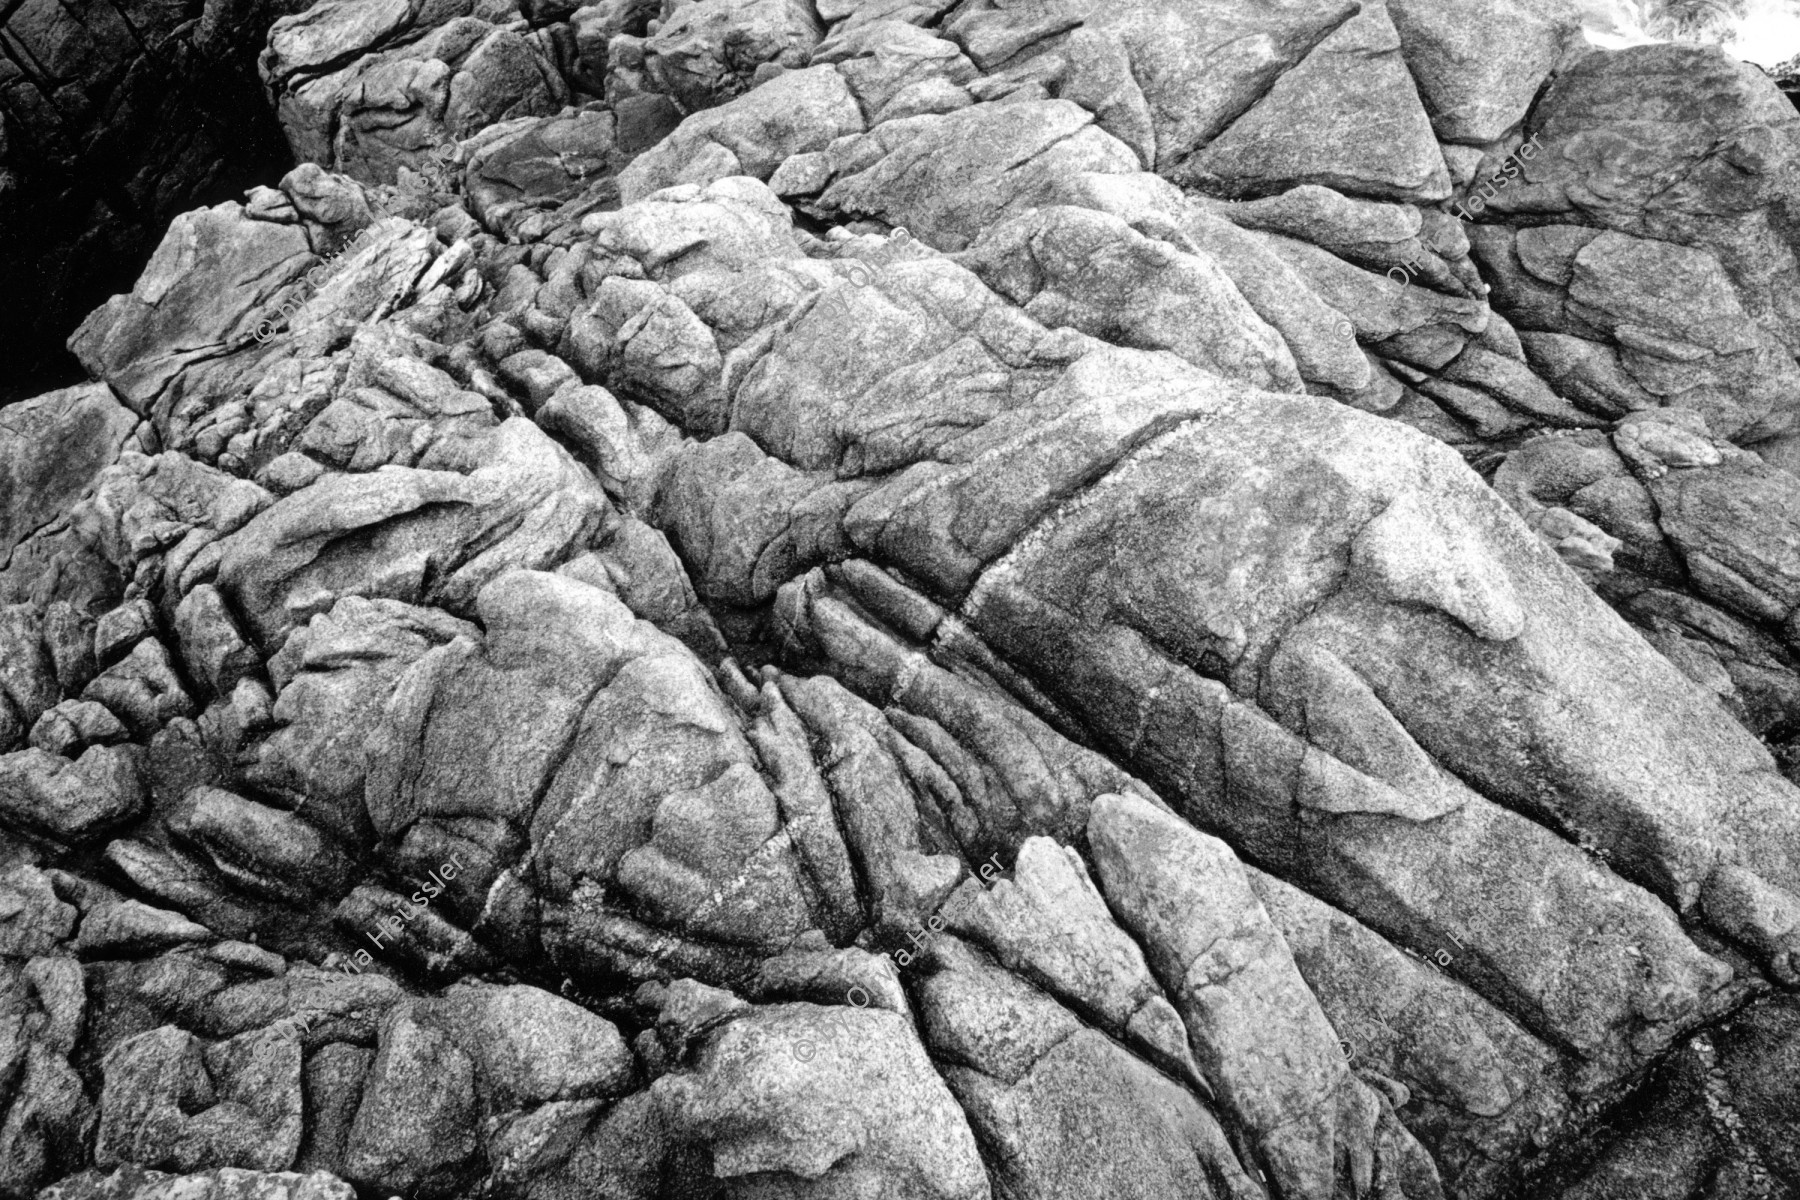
(1614, 24)
(1768, 34)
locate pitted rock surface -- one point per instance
(760, 599)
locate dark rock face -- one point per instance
(870, 600)
(114, 117)
(1787, 78)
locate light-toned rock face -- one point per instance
(867, 600)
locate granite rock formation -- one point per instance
(869, 599)
(114, 118)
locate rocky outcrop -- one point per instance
(866, 600)
(114, 118)
(1692, 539)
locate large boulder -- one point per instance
(845, 599)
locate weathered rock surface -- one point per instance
(864, 600)
(118, 117)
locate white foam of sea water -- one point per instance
(1614, 24)
(1767, 34)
